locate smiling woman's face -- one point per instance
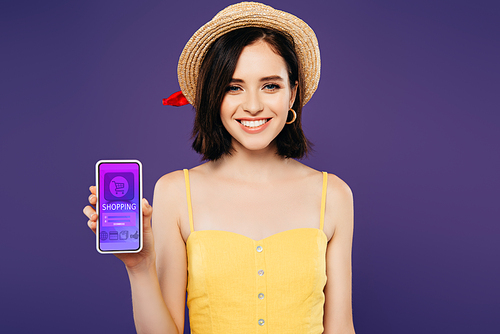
(255, 107)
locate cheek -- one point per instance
(224, 110)
(281, 105)
(227, 107)
(227, 111)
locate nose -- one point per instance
(253, 105)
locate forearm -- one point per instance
(151, 315)
(339, 326)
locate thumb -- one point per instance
(147, 210)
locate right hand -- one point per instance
(133, 261)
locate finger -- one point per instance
(92, 225)
(92, 189)
(90, 213)
(147, 212)
(92, 199)
(147, 209)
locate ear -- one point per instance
(293, 90)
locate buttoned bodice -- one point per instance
(240, 285)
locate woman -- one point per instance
(252, 234)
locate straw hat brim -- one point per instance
(250, 14)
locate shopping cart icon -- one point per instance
(119, 187)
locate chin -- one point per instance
(256, 146)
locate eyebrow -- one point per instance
(270, 78)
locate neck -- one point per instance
(254, 166)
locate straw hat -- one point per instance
(250, 14)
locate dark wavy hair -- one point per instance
(211, 139)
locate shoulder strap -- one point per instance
(323, 201)
(188, 196)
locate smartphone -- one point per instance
(119, 209)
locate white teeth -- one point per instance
(253, 124)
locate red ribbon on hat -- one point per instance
(176, 99)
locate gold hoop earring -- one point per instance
(294, 117)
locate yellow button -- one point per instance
(261, 272)
(261, 296)
(261, 322)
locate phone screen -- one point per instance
(119, 193)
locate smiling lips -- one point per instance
(254, 125)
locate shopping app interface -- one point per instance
(119, 206)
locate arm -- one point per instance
(158, 273)
(171, 259)
(339, 219)
(159, 287)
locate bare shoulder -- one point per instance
(169, 196)
(338, 189)
(339, 206)
(301, 170)
(170, 181)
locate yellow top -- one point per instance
(240, 285)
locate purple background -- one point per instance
(406, 113)
(129, 175)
